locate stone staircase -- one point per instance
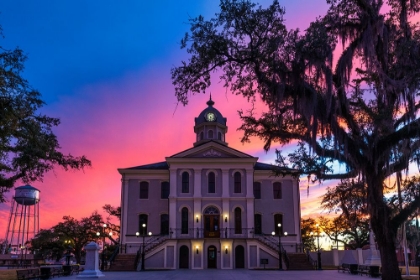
(123, 262)
(299, 261)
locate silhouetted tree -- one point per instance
(351, 227)
(71, 232)
(48, 245)
(360, 112)
(28, 146)
(113, 212)
(307, 226)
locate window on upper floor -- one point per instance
(164, 224)
(257, 224)
(257, 190)
(219, 136)
(210, 134)
(278, 219)
(143, 224)
(277, 190)
(237, 182)
(211, 182)
(184, 220)
(185, 182)
(164, 190)
(238, 220)
(144, 190)
(201, 135)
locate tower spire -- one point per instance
(210, 103)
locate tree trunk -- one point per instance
(385, 233)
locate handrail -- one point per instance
(311, 260)
(114, 254)
(285, 257)
(136, 259)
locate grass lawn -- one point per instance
(8, 274)
(414, 270)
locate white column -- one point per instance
(197, 182)
(225, 215)
(197, 215)
(250, 200)
(296, 208)
(172, 183)
(250, 215)
(124, 208)
(250, 183)
(173, 213)
(225, 183)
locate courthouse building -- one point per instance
(210, 206)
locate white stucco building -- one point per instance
(209, 206)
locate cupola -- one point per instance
(210, 125)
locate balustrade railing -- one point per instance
(193, 233)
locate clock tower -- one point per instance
(210, 125)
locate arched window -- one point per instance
(277, 190)
(143, 221)
(278, 219)
(210, 133)
(258, 224)
(201, 135)
(238, 220)
(185, 182)
(219, 136)
(237, 180)
(184, 220)
(164, 224)
(144, 190)
(257, 190)
(164, 190)
(211, 182)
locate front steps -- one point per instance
(123, 262)
(299, 261)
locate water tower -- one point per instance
(23, 222)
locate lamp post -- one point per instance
(22, 247)
(319, 249)
(102, 233)
(285, 234)
(68, 255)
(143, 234)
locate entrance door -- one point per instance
(211, 257)
(239, 257)
(211, 226)
(184, 253)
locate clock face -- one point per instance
(210, 117)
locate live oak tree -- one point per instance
(113, 213)
(70, 232)
(348, 200)
(308, 226)
(359, 110)
(28, 146)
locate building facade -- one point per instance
(210, 206)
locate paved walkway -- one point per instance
(230, 275)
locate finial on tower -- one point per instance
(210, 102)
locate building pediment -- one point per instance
(211, 149)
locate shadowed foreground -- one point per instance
(221, 275)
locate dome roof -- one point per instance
(26, 187)
(210, 109)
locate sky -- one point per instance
(103, 68)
